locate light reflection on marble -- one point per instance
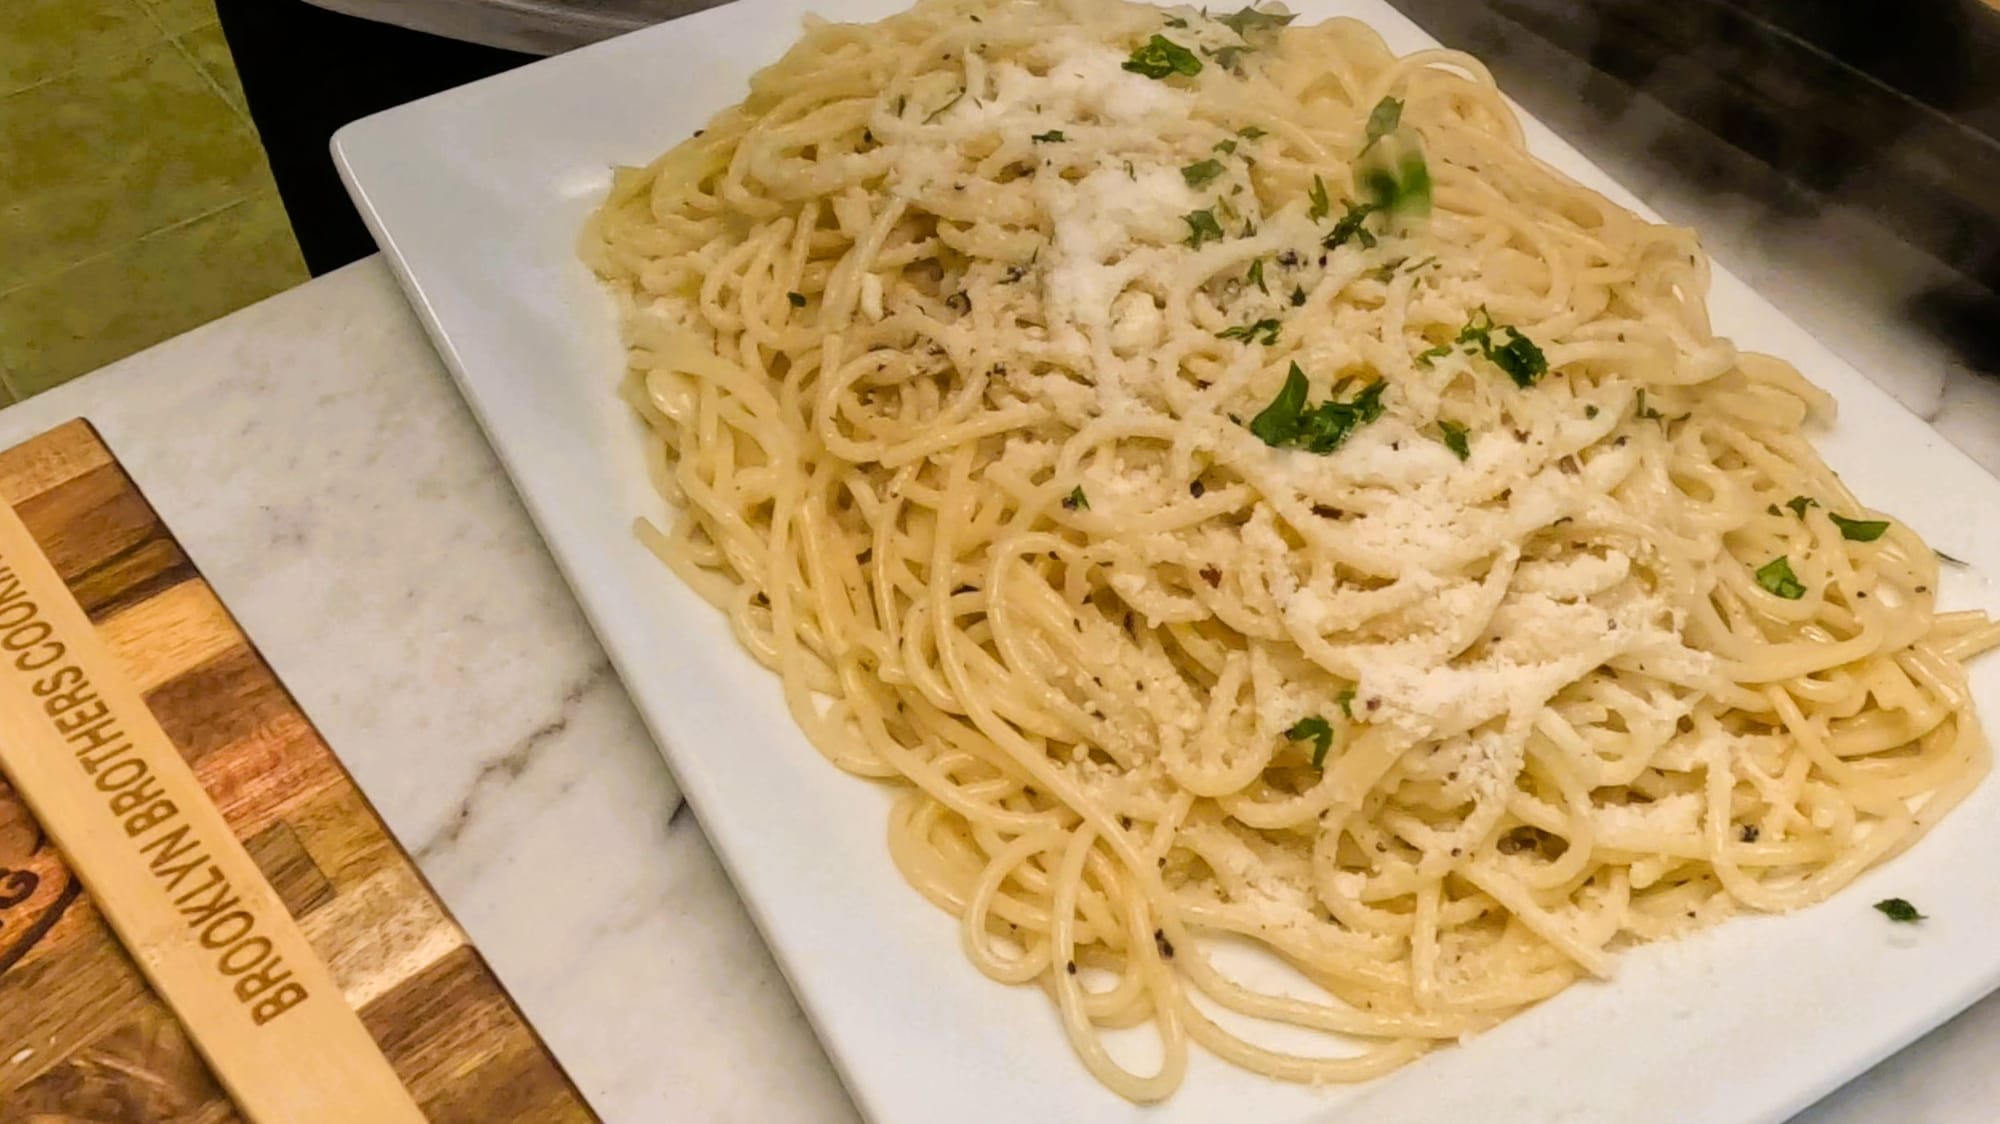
(314, 458)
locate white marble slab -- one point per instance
(315, 461)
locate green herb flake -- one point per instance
(1384, 273)
(1425, 358)
(1455, 439)
(1898, 910)
(1773, 509)
(1200, 175)
(1395, 177)
(1278, 423)
(1161, 57)
(1227, 57)
(1288, 423)
(1076, 500)
(1345, 701)
(1778, 580)
(1798, 504)
(1248, 333)
(1859, 530)
(1645, 411)
(1321, 205)
(1250, 132)
(1202, 227)
(1590, 412)
(1226, 147)
(1515, 354)
(1321, 734)
(1176, 22)
(798, 299)
(1053, 136)
(1520, 358)
(1350, 227)
(1383, 120)
(1250, 21)
(1256, 276)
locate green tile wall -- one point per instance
(134, 199)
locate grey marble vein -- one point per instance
(511, 765)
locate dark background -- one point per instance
(1879, 119)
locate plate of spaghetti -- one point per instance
(1196, 564)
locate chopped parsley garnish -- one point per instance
(1777, 579)
(1455, 439)
(1321, 205)
(1249, 132)
(1288, 422)
(1383, 119)
(1424, 358)
(1053, 136)
(1516, 354)
(1202, 227)
(1226, 147)
(798, 299)
(1176, 22)
(1076, 499)
(1896, 909)
(1298, 295)
(1859, 530)
(1199, 175)
(1321, 734)
(1227, 57)
(1350, 227)
(1248, 21)
(1645, 411)
(1590, 411)
(1853, 530)
(1161, 57)
(1248, 333)
(1394, 174)
(1943, 557)
(1256, 276)
(1345, 701)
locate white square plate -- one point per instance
(477, 196)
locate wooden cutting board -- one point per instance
(82, 1037)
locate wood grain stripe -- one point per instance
(81, 1035)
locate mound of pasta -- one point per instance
(1236, 491)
